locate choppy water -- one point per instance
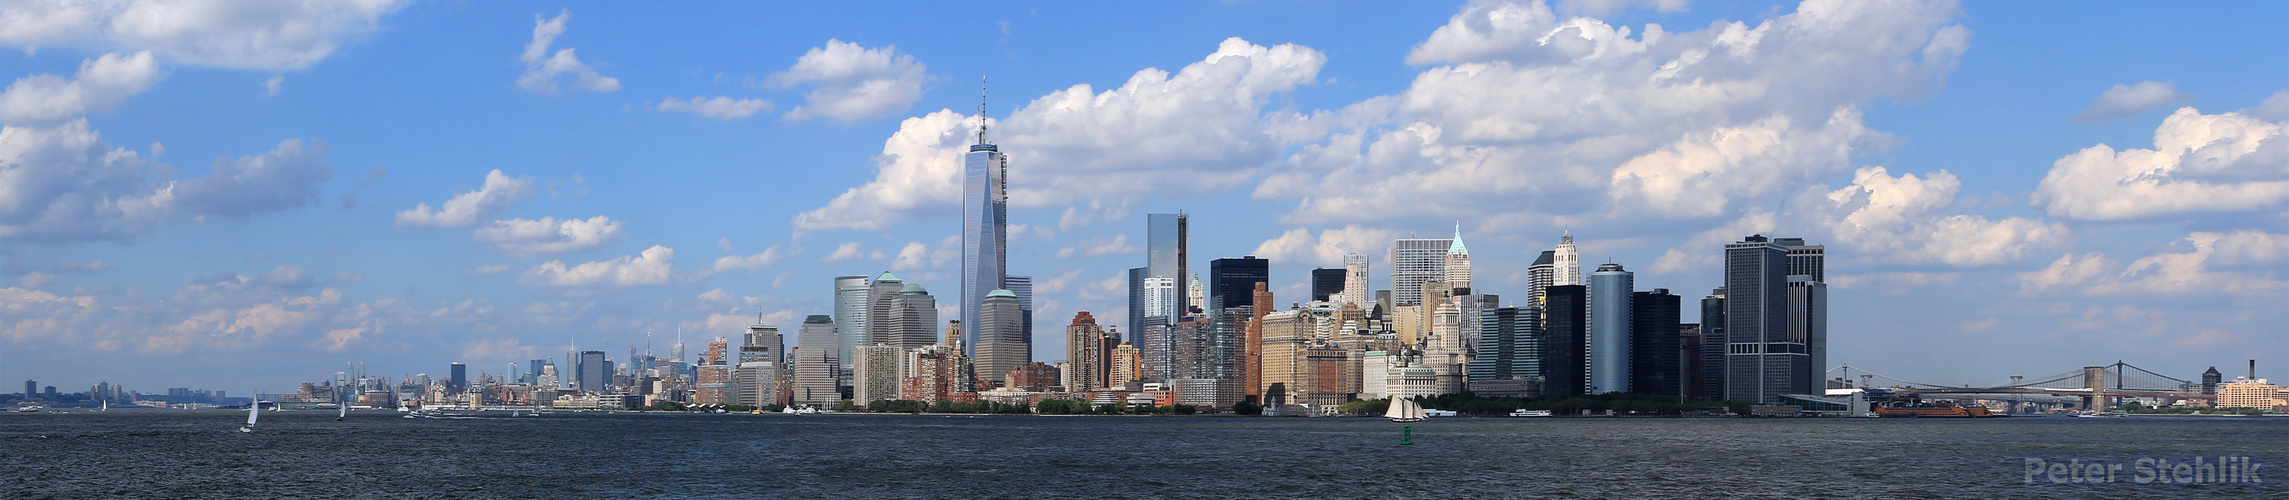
(177, 454)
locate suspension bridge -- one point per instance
(2096, 386)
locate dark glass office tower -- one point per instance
(460, 380)
(1713, 340)
(1232, 282)
(1326, 284)
(1656, 353)
(1509, 344)
(1565, 345)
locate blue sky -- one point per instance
(242, 194)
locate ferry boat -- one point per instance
(1935, 410)
(1529, 413)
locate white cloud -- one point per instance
(2125, 101)
(463, 210)
(919, 256)
(62, 184)
(2194, 272)
(485, 270)
(1578, 122)
(1099, 246)
(652, 267)
(747, 263)
(287, 177)
(1610, 7)
(267, 35)
(2200, 163)
(543, 70)
(524, 237)
(716, 108)
(1898, 220)
(851, 251)
(853, 82)
(101, 85)
(1197, 130)
(1298, 246)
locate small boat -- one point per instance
(1405, 410)
(2093, 414)
(344, 414)
(106, 406)
(1529, 413)
(252, 411)
(1427, 412)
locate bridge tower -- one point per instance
(2094, 378)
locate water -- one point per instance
(182, 454)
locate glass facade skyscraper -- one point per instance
(1760, 362)
(1610, 289)
(985, 229)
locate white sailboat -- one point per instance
(345, 413)
(1405, 410)
(251, 413)
(106, 406)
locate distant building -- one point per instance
(2210, 381)
(876, 374)
(1327, 284)
(460, 378)
(1033, 377)
(1566, 262)
(1509, 345)
(850, 320)
(1355, 284)
(2245, 392)
(1764, 359)
(1656, 352)
(715, 381)
(909, 319)
(1001, 341)
(1232, 282)
(1127, 365)
(1414, 261)
(1539, 277)
(985, 232)
(1088, 354)
(818, 362)
(1610, 289)
(1458, 264)
(1714, 342)
(1566, 333)
(595, 371)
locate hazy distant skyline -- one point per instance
(252, 197)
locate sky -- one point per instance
(245, 195)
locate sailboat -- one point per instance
(345, 413)
(1404, 410)
(106, 406)
(251, 413)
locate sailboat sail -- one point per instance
(251, 413)
(1404, 410)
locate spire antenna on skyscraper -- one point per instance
(981, 110)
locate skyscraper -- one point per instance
(1539, 277)
(1567, 262)
(1610, 289)
(1137, 312)
(876, 374)
(1808, 307)
(912, 320)
(1232, 282)
(1001, 343)
(1458, 264)
(1327, 284)
(850, 319)
(1656, 353)
(881, 297)
(1166, 258)
(1023, 287)
(762, 343)
(595, 372)
(1566, 341)
(1088, 354)
(1252, 345)
(1414, 261)
(460, 378)
(1509, 344)
(818, 360)
(1355, 284)
(985, 227)
(1761, 362)
(1713, 345)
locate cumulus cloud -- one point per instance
(2200, 163)
(2191, 272)
(465, 208)
(63, 184)
(652, 267)
(2125, 101)
(543, 70)
(918, 255)
(1530, 115)
(852, 82)
(851, 251)
(287, 177)
(1609, 7)
(716, 108)
(747, 263)
(1900, 219)
(524, 237)
(1099, 246)
(1328, 249)
(101, 85)
(266, 35)
(1197, 130)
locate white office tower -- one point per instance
(1001, 340)
(1444, 350)
(1414, 261)
(1568, 268)
(818, 361)
(1160, 298)
(1609, 315)
(1355, 281)
(1458, 262)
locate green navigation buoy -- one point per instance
(1407, 436)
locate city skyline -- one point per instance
(696, 182)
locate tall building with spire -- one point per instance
(985, 226)
(1567, 268)
(1458, 263)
